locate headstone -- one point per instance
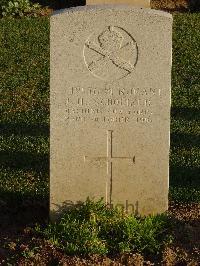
(139, 3)
(110, 107)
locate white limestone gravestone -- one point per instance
(110, 107)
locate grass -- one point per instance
(24, 83)
(185, 122)
(24, 145)
(92, 228)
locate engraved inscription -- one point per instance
(109, 159)
(108, 105)
(111, 54)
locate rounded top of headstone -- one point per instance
(126, 8)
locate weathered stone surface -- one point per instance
(110, 107)
(139, 3)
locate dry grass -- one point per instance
(176, 5)
(170, 4)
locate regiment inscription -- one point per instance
(111, 54)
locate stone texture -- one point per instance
(110, 107)
(139, 3)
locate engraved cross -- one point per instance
(109, 159)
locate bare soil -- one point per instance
(20, 245)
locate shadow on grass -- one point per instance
(185, 113)
(184, 180)
(184, 184)
(24, 207)
(24, 129)
(185, 176)
(185, 140)
(20, 159)
(18, 210)
(194, 5)
(25, 161)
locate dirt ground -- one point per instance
(19, 245)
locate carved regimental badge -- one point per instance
(111, 54)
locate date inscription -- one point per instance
(108, 105)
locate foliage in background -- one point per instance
(19, 8)
(93, 228)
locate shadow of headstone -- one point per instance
(22, 207)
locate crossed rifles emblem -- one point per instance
(110, 48)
